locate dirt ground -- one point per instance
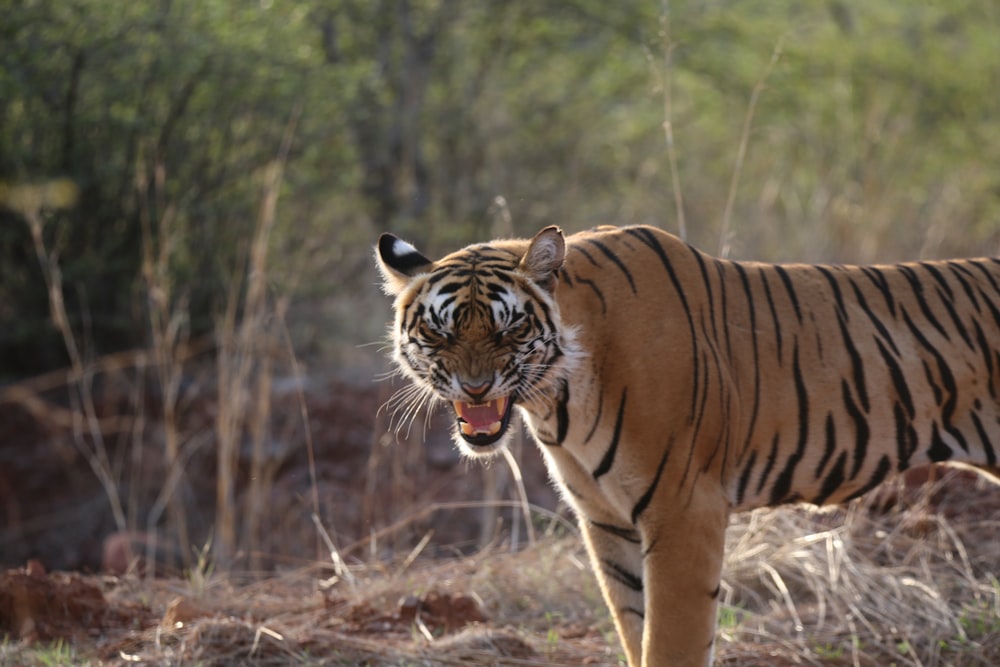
(410, 602)
(494, 607)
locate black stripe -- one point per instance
(562, 413)
(597, 417)
(708, 289)
(565, 277)
(938, 451)
(898, 379)
(935, 387)
(991, 456)
(627, 534)
(725, 401)
(873, 317)
(615, 260)
(833, 481)
(720, 269)
(632, 610)
(837, 294)
(745, 478)
(772, 458)
(924, 343)
(957, 271)
(918, 292)
(790, 289)
(646, 497)
(994, 310)
(950, 389)
(451, 288)
(878, 279)
(697, 422)
(986, 272)
(755, 409)
(906, 436)
(609, 455)
(931, 269)
(861, 429)
(647, 237)
(783, 484)
(956, 320)
(583, 251)
(857, 364)
(774, 313)
(621, 575)
(447, 272)
(592, 285)
(829, 447)
(883, 469)
(984, 347)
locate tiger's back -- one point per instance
(801, 373)
(695, 386)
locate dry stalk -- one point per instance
(84, 419)
(724, 235)
(303, 412)
(426, 511)
(664, 75)
(168, 322)
(242, 342)
(522, 495)
(904, 589)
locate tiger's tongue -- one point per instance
(482, 416)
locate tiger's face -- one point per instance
(478, 329)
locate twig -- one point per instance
(724, 240)
(339, 566)
(522, 493)
(80, 377)
(666, 83)
(432, 508)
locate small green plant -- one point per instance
(201, 572)
(552, 639)
(55, 654)
(829, 651)
(730, 617)
(979, 620)
(552, 635)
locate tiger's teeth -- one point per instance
(481, 419)
(467, 429)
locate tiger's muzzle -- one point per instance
(482, 424)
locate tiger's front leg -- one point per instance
(616, 559)
(683, 555)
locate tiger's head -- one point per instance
(479, 329)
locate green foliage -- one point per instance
(875, 137)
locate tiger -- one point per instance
(667, 389)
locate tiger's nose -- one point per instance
(475, 390)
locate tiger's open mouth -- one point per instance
(482, 424)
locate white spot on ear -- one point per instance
(401, 248)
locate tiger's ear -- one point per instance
(544, 257)
(398, 262)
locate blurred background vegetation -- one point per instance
(186, 171)
(875, 136)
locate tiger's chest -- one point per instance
(581, 471)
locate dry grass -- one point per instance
(853, 586)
